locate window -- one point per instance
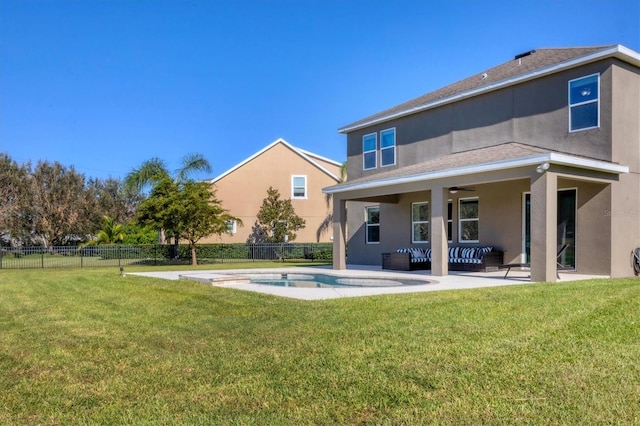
(373, 225)
(369, 151)
(232, 227)
(450, 221)
(388, 147)
(583, 103)
(469, 220)
(420, 222)
(298, 187)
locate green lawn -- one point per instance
(91, 347)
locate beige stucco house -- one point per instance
(296, 173)
(540, 151)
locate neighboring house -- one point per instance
(539, 151)
(295, 173)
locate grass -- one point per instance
(90, 347)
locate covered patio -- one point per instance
(505, 179)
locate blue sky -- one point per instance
(105, 84)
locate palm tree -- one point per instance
(111, 232)
(154, 170)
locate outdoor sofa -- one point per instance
(473, 259)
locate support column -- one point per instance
(339, 233)
(544, 226)
(438, 238)
(624, 214)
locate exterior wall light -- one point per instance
(543, 167)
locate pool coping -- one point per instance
(232, 278)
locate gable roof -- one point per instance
(306, 155)
(528, 66)
(498, 157)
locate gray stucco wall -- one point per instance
(534, 112)
(500, 221)
(625, 196)
(500, 224)
(593, 233)
(358, 252)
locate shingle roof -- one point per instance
(537, 60)
(489, 155)
(308, 156)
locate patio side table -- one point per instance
(386, 260)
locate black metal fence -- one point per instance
(121, 255)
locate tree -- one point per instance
(114, 200)
(111, 232)
(154, 171)
(53, 205)
(189, 210)
(14, 195)
(136, 234)
(277, 220)
(61, 209)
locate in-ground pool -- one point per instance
(327, 281)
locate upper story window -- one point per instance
(373, 224)
(584, 108)
(388, 147)
(369, 151)
(298, 187)
(420, 222)
(468, 220)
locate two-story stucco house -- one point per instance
(296, 173)
(541, 150)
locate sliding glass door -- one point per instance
(566, 226)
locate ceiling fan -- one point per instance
(455, 189)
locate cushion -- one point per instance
(454, 252)
(416, 252)
(472, 254)
(465, 260)
(427, 253)
(468, 253)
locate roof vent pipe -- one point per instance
(522, 55)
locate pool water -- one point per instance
(328, 281)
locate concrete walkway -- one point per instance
(238, 279)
